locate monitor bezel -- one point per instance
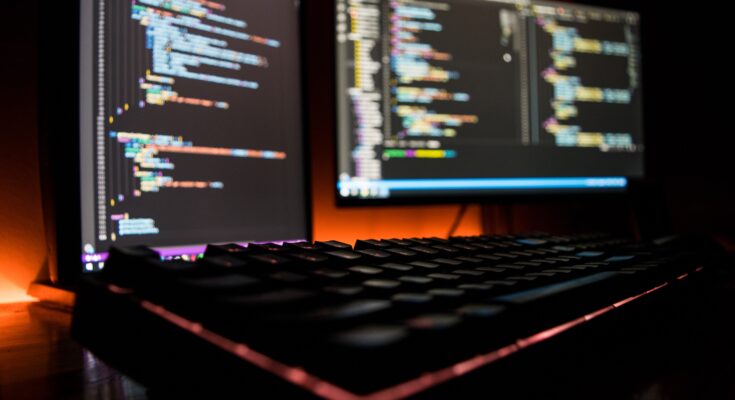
(59, 33)
(634, 183)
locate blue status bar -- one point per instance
(490, 183)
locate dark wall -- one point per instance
(22, 245)
(688, 84)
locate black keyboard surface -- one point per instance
(383, 318)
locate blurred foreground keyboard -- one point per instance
(382, 319)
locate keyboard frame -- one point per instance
(150, 340)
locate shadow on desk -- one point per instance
(38, 359)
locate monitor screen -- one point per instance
(462, 98)
(190, 125)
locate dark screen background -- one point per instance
(262, 199)
(493, 148)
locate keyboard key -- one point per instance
(265, 248)
(219, 282)
(558, 271)
(465, 247)
(489, 257)
(512, 266)
(374, 254)
(447, 261)
(345, 290)
(310, 257)
(506, 255)
(225, 262)
(590, 254)
(531, 242)
(468, 272)
(445, 292)
(482, 246)
(424, 264)
(491, 269)
(371, 244)
(357, 308)
(223, 249)
(412, 298)
(522, 278)
(446, 249)
(422, 280)
(475, 287)
(428, 251)
(288, 277)
(541, 274)
(501, 282)
(480, 310)
(472, 260)
(402, 252)
(421, 242)
(362, 269)
(344, 255)
(334, 245)
(398, 242)
(433, 322)
(617, 259)
(269, 299)
(382, 283)
(396, 267)
(550, 290)
(446, 277)
(303, 246)
(371, 336)
(270, 259)
(529, 263)
(331, 273)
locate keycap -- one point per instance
(343, 255)
(381, 283)
(310, 257)
(219, 282)
(378, 255)
(424, 264)
(433, 321)
(480, 310)
(396, 267)
(362, 269)
(270, 259)
(357, 308)
(371, 336)
(413, 298)
(303, 246)
(530, 295)
(334, 245)
(223, 249)
(371, 244)
(266, 248)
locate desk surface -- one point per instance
(39, 360)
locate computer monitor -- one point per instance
(467, 98)
(190, 127)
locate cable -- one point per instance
(457, 219)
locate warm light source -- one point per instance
(10, 293)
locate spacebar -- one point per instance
(530, 295)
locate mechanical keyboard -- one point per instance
(382, 319)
